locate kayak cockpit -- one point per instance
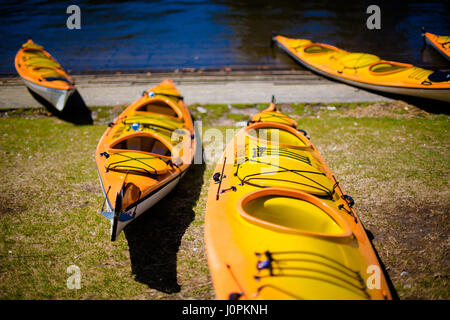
(274, 116)
(144, 143)
(275, 133)
(160, 106)
(292, 211)
(319, 48)
(139, 154)
(387, 67)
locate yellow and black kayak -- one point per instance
(440, 43)
(143, 154)
(278, 225)
(43, 75)
(367, 70)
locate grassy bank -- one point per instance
(392, 158)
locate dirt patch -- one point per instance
(11, 205)
(412, 239)
(396, 109)
(247, 111)
(28, 113)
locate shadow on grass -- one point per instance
(428, 105)
(75, 110)
(155, 237)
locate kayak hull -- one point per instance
(414, 83)
(139, 208)
(56, 97)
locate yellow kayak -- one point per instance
(440, 43)
(143, 154)
(278, 225)
(367, 70)
(43, 75)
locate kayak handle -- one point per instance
(216, 177)
(104, 154)
(349, 200)
(302, 131)
(220, 176)
(235, 295)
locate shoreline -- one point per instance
(198, 86)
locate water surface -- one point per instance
(169, 35)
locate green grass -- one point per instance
(395, 166)
(262, 106)
(242, 105)
(237, 117)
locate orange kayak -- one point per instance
(143, 154)
(367, 70)
(43, 75)
(279, 226)
(440, 43)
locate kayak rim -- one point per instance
(345, 235)
(275, 125)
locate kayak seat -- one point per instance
(145, 144)
(159, 107)
(387, 68)
(157, 120)
(317, 48)
(294, 212)
(272, 117)
(159, 148)
(276, 135)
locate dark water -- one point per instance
(167, 35)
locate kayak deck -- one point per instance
(144, 152)
(278, 225)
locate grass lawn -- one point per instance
(392, 158)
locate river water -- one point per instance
(132, 36)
